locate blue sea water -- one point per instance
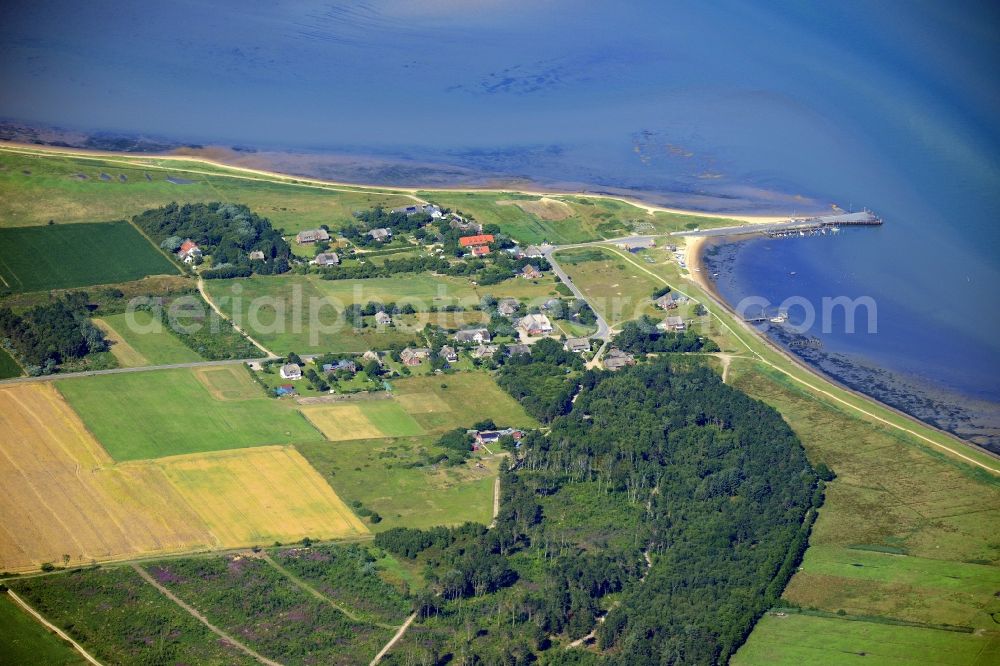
(767, 106)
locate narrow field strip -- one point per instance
(53, 628)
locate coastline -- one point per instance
(693, 253)
(698, 271)
(179, 155)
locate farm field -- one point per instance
(121, 619)
(63, 497)
(362, 419)
(442, 402)
(69, 188)
(8, 366)
(25, 641)
(145, 345)
(905, 533)
(259, 496)
(79, 255)
(380, 474)
(189, 410)
(613, 288)
(250, 599)
(805, 639)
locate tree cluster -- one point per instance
(52, 333)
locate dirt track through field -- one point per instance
(201, 618)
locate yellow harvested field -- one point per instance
(227, 382)
(127, 355)
(260, 495)
(422, 403)
(545, 208)
(342, 422)
(63, 495)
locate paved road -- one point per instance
(118, 371)
(603, 330)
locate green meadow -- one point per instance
(906, 535)
(387, 476)
(156, 344)
(278, 310)
(443, 402)
(76, 255)
(24, 641)
(613, 287)
(35, 189)
(795, 639)
(190, 410)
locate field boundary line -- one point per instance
(51, 627)
(817, 389)
(172, 260)
(306, 587)
(201, 618)
(218, 311)
(399, 634)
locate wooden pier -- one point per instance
(795, 226)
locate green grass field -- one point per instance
(76, 255)
(70, 189)
(613, 287)
(803, 639)
(8, 366)
(378, 473)
(156, 345)
(443, 402)
(304, 314)
(24, 641)
(906, 534)
(169, 412)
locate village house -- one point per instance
(284, 389)
(462, 224)
(480, 251)
(636, 244)
(508, 306)
(479, 335)
(616, 359)
(472, 241)
(310, 236)
(673, 323)
(381, 234)
(382, 319)
(430, 209)
(371, 356)
(553, 304)
(516, 252)
(189, 251)
(529, 272)
(518, 350)
(412, 356)
(487, 437)
(577, 345)
(290, 371)
(666, 302)
(326, 259)
(257, 255)
(485, 351)
(343, 364)
(533, 252)
(535, 324)
(449, 354)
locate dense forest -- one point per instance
(662, 500)
(52, 333)
(227, 232)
